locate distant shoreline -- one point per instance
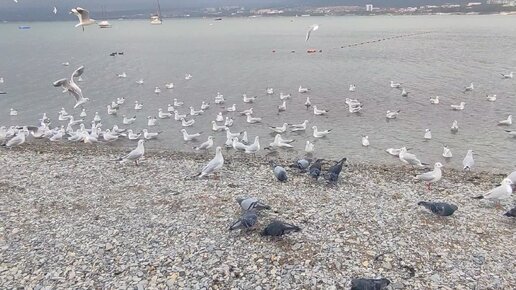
(272, 16)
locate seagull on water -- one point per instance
(365, 141)
(299, 127)
(459, 107)
(281, 129)
(455, 126)
(13, 112)
(71, 87)
(409, 158)
(508, 76)
(434, 100)
(247, 99)
(469, 88)
(318, 112)
(447, 152)
(206, 145)
(309, 147)
(491, 98)
(395, 85)
(84, 17)
(128, 121)
(150, 135)
(189, 137)
(320, 134)
(506, 122)
(392, 114)
(253, 120)
(468, 161)
(428, 134)
(352, 88)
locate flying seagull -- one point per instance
(71, 87)
(84, 17)
(312, 28)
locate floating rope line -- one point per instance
(313, 50)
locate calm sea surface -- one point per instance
(234, 56)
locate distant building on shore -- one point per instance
(369, 7)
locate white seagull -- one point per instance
(459, 107)
(320, 134)
(468, 161)
(447, 152)
(214, 165)
(189, 137)
(71, 87)
(84, 17)
(134, 155)
(409, 158)
(506, 122)
(431, 176)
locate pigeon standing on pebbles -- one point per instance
(369, 284)
(334, 171)
(511, 213)
(246, 221)
(279, 172)
(315, 169)
(279, 228)
(439, 208)
(301, 164)
(251, 203)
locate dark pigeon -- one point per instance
(334, 171)
(315, 169)
(369, 284)
(251, 203)
(279, 172)
(246, 221)
(279, 228)
(439, 208)
(511, 213)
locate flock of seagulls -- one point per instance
(239, 141)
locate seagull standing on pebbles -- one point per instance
(431, 176)
(134, 155)
(214, 165)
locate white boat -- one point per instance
(104, 24)
(156, 19)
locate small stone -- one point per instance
(365, 263)
(109, 247)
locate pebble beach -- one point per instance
(70, 218)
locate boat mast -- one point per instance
(159, 11)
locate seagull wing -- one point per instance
(427, 176)
(62, 83)
(133, 155)
(78, 72)
(84, 15)
(211, 166)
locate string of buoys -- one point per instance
(313, 50)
